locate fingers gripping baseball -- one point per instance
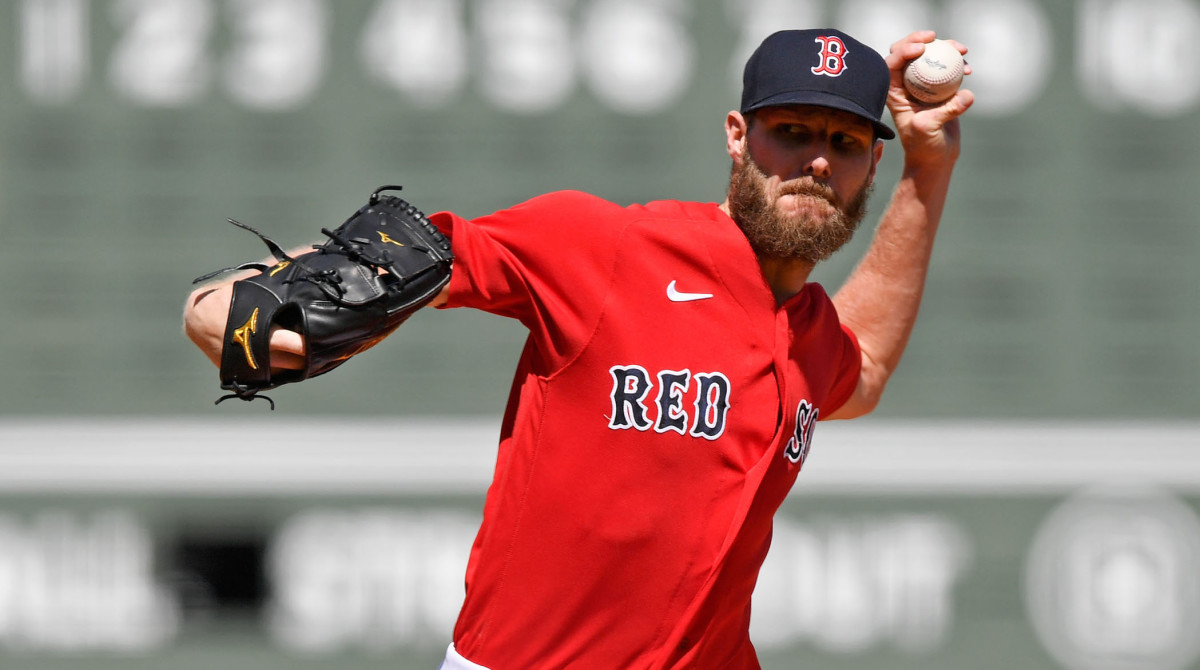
(926, 129)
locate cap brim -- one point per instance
(822, 99)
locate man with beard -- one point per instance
(678, 360)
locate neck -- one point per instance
(785, 276)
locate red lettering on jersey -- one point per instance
(833, 57)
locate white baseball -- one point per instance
(936, 74)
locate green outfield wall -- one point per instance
(1064, 282)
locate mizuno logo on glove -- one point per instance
(386, 239)
(242, 336)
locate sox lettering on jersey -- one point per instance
(833, 56)
(806, 420)
(632, 385)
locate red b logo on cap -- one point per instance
(833, 57)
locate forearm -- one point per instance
(204, 315)
(882, 297)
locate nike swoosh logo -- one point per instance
(675, 295)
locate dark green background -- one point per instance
(988, 624)
(1064, 282)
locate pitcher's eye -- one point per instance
(792, 132)
(844, 140)
(848, 143)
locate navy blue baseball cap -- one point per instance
(825, 68)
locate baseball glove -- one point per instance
(384, 263)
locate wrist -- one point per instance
(927, 177)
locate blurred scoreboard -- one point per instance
(269, 544)
(1065, 281)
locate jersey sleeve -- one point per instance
(545, 262)
(849, 368)
(827, 350)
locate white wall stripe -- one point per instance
(456, 455)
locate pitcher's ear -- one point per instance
(737, 129)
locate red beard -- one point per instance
(812, 231)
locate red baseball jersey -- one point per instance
(661, 411)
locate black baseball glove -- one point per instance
(384, 263)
